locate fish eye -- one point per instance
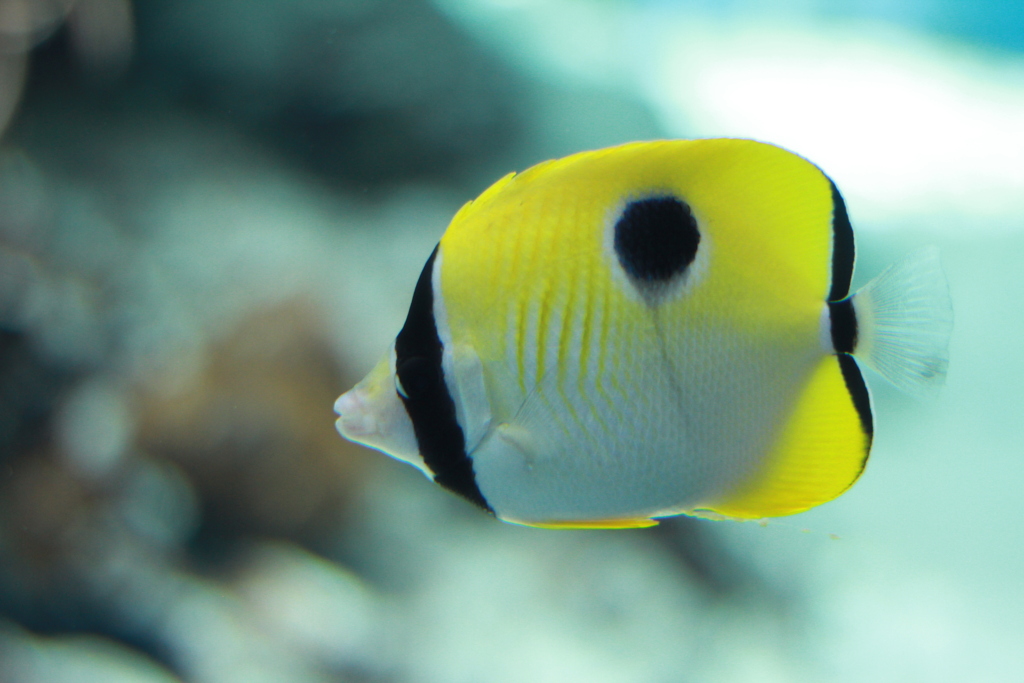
(414, 377)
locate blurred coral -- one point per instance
(254, 433)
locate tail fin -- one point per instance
(904, 319)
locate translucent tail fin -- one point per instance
(904, 319)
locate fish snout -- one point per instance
(356, 420)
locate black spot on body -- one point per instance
(418, 355)
(656, 239)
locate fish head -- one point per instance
(372, 414)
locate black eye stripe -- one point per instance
(399, 389)
(418, 357)
(417, 376)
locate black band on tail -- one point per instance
(843, 249)
(418, 354)
(844, 325)
(843, 316)
(858, 393)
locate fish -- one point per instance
(647, 330)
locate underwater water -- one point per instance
(212, 216)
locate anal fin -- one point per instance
(594, 524)
(820, 452)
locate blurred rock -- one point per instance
(254, 431)
(102, 35)
(371, 91)
(95, 428)
(151, 428)
(29, 659)
(321, 610)
(29, 388)
(39, 502)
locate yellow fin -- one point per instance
(594, 524)
(485, 198)
(821, 451)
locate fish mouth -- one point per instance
(355, 419)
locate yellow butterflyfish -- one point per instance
(653, 329)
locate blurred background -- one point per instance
(212, 214)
